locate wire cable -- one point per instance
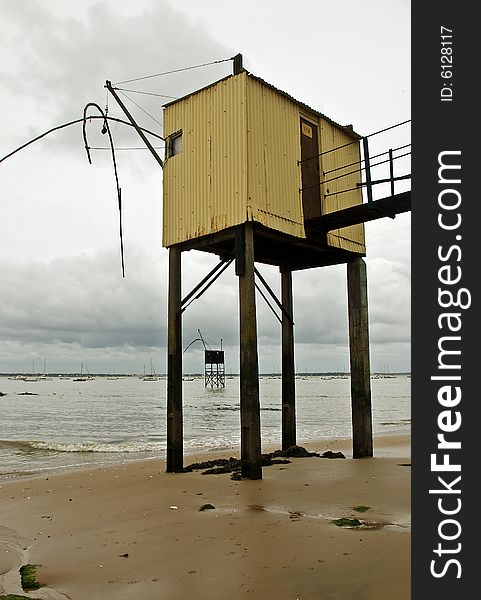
(142, 109)
(74, 122)
(132, 148)
(106, 129)
(146, 93)
(174, 71)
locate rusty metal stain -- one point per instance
(240, 152)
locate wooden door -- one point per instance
(310, 176)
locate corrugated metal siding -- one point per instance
(273, 152)
(240, 147)
(205, 186)
(348, 238)
(228, 154)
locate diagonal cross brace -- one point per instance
(274, 297)
(214, 273)
(268, 303)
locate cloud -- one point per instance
(62, 296)
(66, 58)
(82, 305)
(83, 300)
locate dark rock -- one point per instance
(331, 454)
(299, 452)
(211, 464)
(292, 452)
(233, 465)
(218, 470)
(207, 507)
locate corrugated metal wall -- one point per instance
(240, 147)
(348, 238)
(273, 152)
(205, 186)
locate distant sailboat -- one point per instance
(33, 377)
(44, 376)
(82, 376)
(114, 376)
(152, 376)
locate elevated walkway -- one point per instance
(369, 211)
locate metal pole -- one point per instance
(367, 167)
(237, 66)
(108, 85)
(391, 171)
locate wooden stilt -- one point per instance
(175, 459)
(249, 369)
(288, 368)
(359, 355)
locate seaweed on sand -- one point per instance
(28, 576)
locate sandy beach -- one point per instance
(132, 531)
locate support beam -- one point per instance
(288, 368)
(175, 459)
(249, 368)
(359, 355)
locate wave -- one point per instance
(393, 423)
(87, 446)
(236, 408)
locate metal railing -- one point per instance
(364, 164)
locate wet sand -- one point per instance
(134, 531)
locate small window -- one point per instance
(174, 144)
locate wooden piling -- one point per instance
(249, 368)
(175, 459)
(359, 357)
(288, 367)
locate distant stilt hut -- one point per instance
(214, 368)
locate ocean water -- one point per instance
(58, 424)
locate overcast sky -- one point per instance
(63, 298)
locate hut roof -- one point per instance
(346, 128)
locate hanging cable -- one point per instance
(74, 122)
(174, 71)
(106, 129)
(131, 148)
(138, 106)
(146, 93)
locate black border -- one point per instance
(438, 126)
